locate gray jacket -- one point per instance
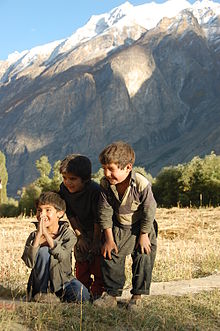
(61, 256)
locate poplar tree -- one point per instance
(4, 178)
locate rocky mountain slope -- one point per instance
(119, 77)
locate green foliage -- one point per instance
(143, 172)
(28, 197)
(196, 183)
(166, 187)
(42, 184)
(43, 166)
(57, 177)
(4, 179)
(9, 208)
(98, 175)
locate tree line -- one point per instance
(192, 184)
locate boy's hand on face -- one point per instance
(144, 243)
(107, 248)
(39, 234)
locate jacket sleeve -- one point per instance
(149, 209)
(95, 204)
(105, 211)
(30, 253)
(62, 248)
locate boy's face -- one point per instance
(49, 214)
(73, 183)
(114, 174)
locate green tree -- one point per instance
(28, 198)
(44, 168)
(3, 178)
(166, 187)
(98, 175)
(9, 209)
(57, 177)
(143, 172)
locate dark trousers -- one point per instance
(84, 271)
(113, 270)
(39, 281)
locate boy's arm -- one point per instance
(149, 209)
(62, 249)
(96, 243)
(105, 221)
(109, 244)
(81, 243)
(30, 251)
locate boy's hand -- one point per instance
(144, 243)
(39, 233)
(40, 228)
(48, 236)
(107, 248)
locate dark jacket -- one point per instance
(61, 256)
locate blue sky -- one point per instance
(28, 23)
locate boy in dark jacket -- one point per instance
(48, 251)
(81, 195)
(126, 212)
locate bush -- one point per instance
(28, 197)
(9, 208)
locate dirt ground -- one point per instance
(181, 287)
(175, 288)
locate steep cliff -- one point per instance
(158, 89)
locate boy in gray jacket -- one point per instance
(48, 251)
(126, 214)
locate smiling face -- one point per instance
(73, 183)
(114, 174)
(49, 215)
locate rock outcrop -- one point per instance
(159, 90)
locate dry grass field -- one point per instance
(188, 247)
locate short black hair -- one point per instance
(51, 198)
(78, 165)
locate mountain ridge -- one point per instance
(158, 89)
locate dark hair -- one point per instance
(77, 165)
(119, 153)
(53, 199)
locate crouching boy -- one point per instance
(81, 195)
(127, 209)
(48, 251)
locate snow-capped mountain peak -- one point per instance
(126, 15)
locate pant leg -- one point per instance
(75, 291)
(97, 286)
(83, 273)
(40, 272)
(113, 273)
(142, 268)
